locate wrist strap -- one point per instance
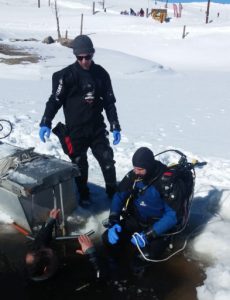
(151, 234)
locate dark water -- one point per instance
(174, 279)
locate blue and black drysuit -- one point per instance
(147, 206)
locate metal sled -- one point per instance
(31, 184)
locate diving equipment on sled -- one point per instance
(31, 184)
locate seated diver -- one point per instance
(144, 208)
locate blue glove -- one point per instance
(44, 131)
(116, 137)
(140, 240)
(112, 234)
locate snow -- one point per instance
(171, 93)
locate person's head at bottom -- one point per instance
(41, 264)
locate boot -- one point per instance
(110, 190)
(84, 197)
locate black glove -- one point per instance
(112, 220)
(150, 234)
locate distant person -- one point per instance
(132, 12)
(84, 90)
(141, 12)
(124, 12)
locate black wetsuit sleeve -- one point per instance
(94, 261)
(109, 101)
(56, 99)
(44, 236)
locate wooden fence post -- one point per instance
(81, 27)
(57, 19)
(93, 8)
(207, 12)
(184, 34)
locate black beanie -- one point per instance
(143, 158)
(82, 44)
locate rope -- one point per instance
(156, 260)
(167, 234)
(176, 252)
(5, 128)
(12, 162)
(6, 164)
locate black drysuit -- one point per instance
(84, 94)
(44, 236)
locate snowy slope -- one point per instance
(171, 93)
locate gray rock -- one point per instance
(48, 40)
